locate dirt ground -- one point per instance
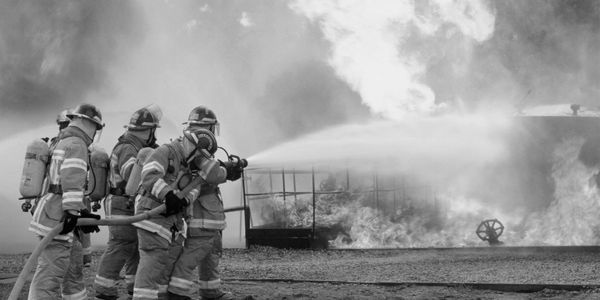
(267, 273)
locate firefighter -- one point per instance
(85, 238)
(60, 264)
(169, 168)
(205, 221)
(122, 250)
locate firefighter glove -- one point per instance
(173, 203)
(69, 222)
(90, 228)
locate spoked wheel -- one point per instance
(490, 230)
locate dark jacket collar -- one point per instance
(132, 138)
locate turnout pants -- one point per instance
(157, 257)
(204, 252)
(121, 252)
(59, 265)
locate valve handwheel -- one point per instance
(490, 230)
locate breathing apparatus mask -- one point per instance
(203, 142)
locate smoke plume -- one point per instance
(53, 54)
(383, 50)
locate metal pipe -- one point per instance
(284, 204)
(503, 287)
(271, 190)
(235, 208)
(247, 210)
(314, 204)
(294, 178)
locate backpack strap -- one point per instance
(175, 156)
(124, 139)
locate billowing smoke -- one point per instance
(408, 58)
(383, 50)
(54, 54)
(274, 71)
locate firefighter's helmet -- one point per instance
(145, 118)
(87, 111)
(204, 117)
(202, 139)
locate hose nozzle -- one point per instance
(238, 162)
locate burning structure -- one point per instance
(550, 173)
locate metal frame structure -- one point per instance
(308, 235)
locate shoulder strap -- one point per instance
(176, 157)
(124, 139)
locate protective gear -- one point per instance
(122, 250)
(67, 173)
(97, 184)
(66, 179)
(37, 156)
(88, 111)
(59, 265)
(62, 120)
(86, 244)
(171, 296)
(135, 175)
(203, 245)
(91, 228)
(203, 117)
(145, 118)
(151, 141)
(161, 172)
(157, 258)
(203, 252)
(174, 204)
(69, 223)
(203, 140)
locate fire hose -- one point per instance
(16, 290)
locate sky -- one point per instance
(274, 71)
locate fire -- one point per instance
(357, 218)
(572, 217)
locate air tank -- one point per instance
(136, 171)
(37, 155)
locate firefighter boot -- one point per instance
(220, 296)
(171, 296)
(105, 297)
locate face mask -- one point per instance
(152, 138)
(62, 125)
(97, 136)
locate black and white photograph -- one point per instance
(299, 149)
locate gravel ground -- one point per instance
(556, 265)
(553, 265)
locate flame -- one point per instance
(445, 219)
(572, 217)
